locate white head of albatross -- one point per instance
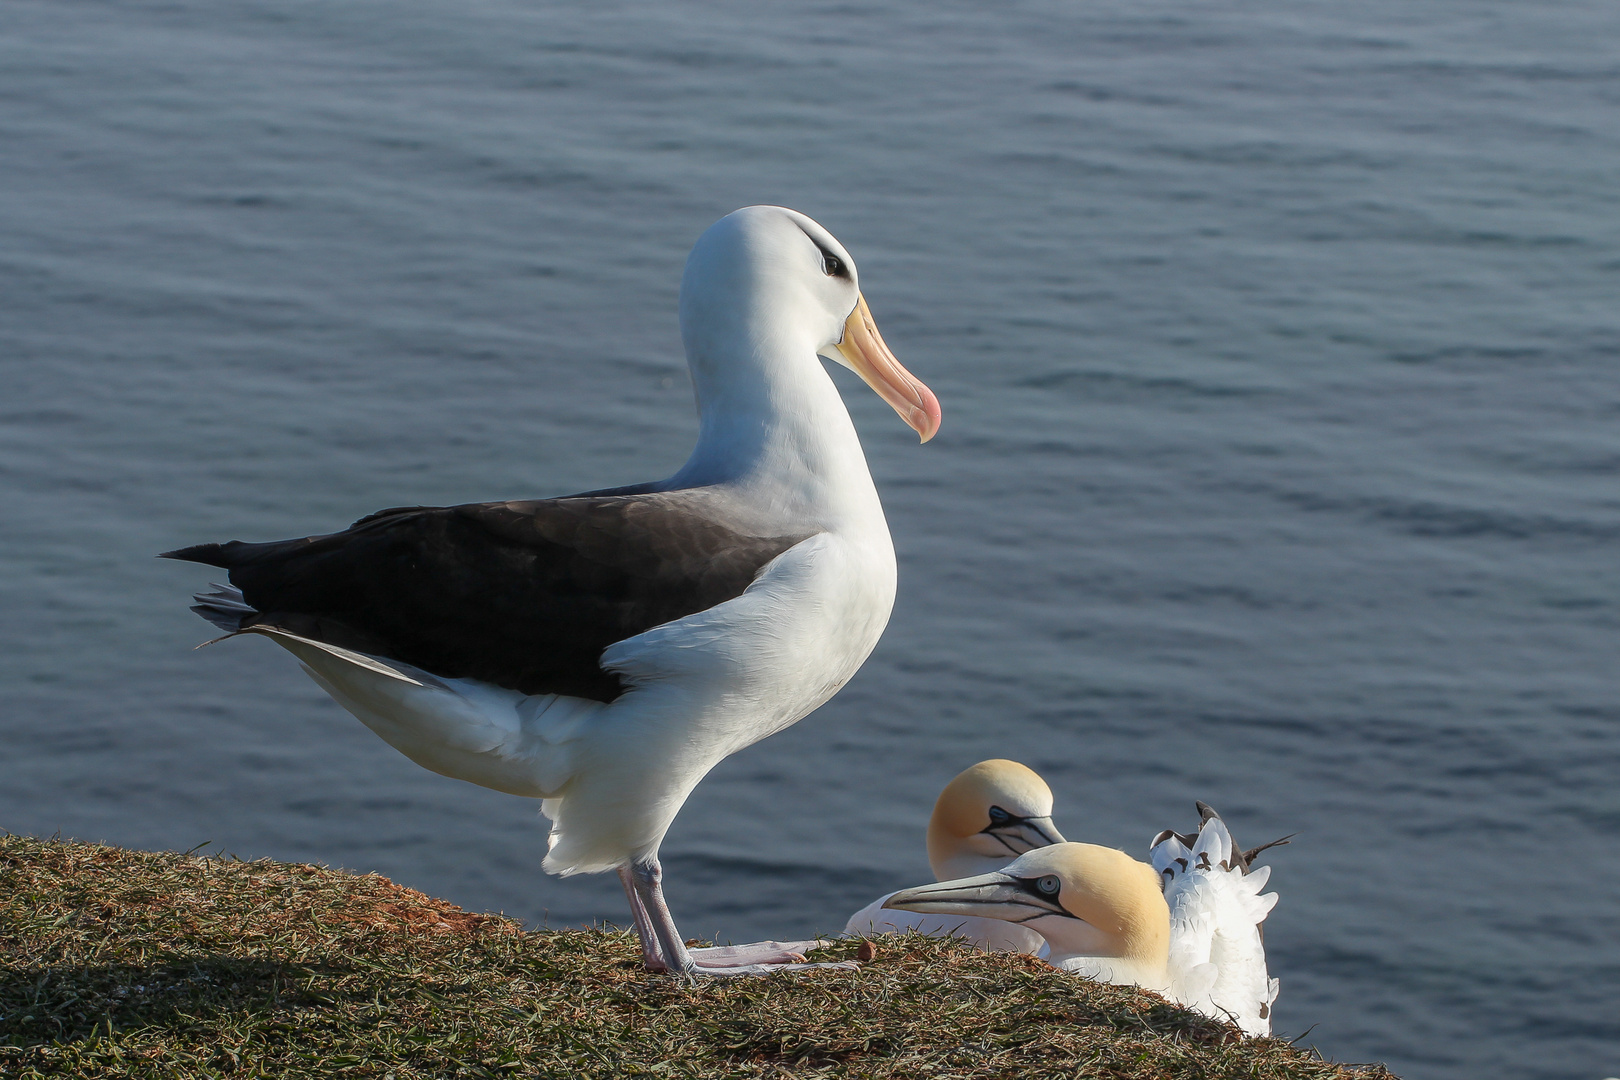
(985, 817)
(765, 290)
(604, 651)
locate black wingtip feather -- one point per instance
(207, 554)
(1248, 856)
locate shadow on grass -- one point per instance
(68, 1004)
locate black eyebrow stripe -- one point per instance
(812, 239)
(825, 254)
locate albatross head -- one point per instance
(991, 813)
(765, 291)
(1084, 899)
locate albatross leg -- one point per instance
(648, 878)
(650, 956)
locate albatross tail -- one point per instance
(224, 607)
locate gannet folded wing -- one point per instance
(1217, 957)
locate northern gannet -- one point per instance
(603, 651)
(987, 816)
(1191, 933)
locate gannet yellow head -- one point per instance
(1084, 899)
(989, 815)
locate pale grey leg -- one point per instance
(650, 956)
(648, 878)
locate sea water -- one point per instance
(1279, 351)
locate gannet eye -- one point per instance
(998, 816)
(1049, 885)
(832, 265)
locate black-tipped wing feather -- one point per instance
(525, 595)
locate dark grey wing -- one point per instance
(525, 595)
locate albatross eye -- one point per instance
(832, 265)
(1049, 885)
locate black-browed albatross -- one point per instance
(604, 651)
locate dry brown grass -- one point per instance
(133, 964)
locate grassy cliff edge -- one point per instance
(140, 964)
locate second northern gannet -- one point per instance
(1196, 939)
(602, 652)
(987, 816)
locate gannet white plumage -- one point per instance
(1216, 909)
(1105, 915)
(984, 818)
(604, 651)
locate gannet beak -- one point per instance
(1026, 834)
(862, 351)
(991, 896)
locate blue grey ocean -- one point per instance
(1279, 351)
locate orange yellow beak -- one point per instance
(866, 355)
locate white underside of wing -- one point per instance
(1217, 957)
(463, 728)
(389, 669)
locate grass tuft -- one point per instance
(121, 963)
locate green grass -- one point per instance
(134, 964)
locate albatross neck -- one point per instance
(773, 427)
